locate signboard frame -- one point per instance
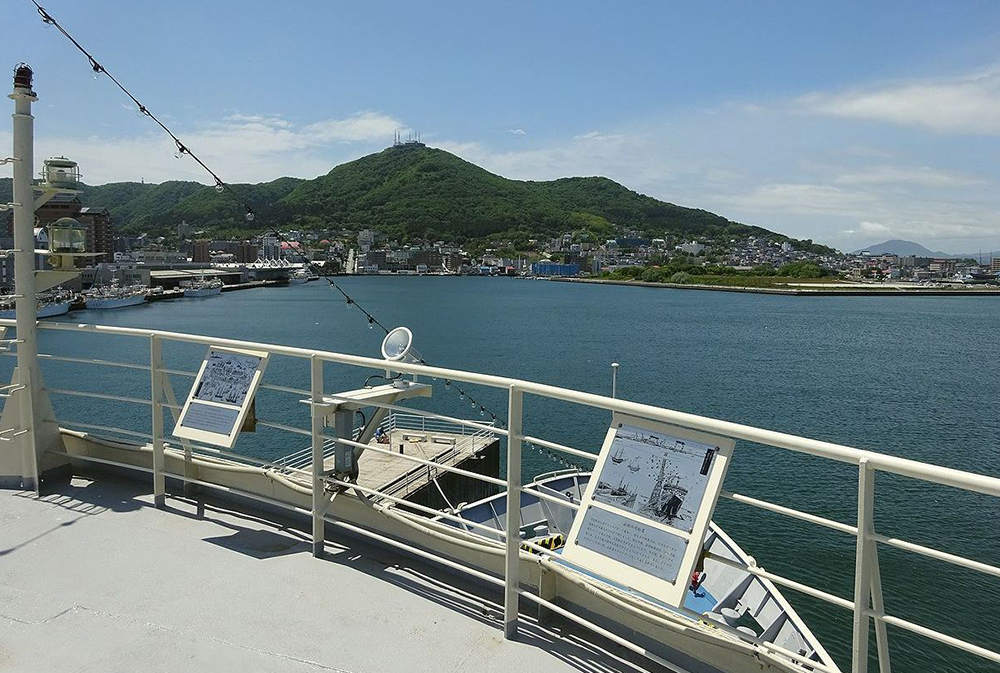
(225, 439)
(669, 586)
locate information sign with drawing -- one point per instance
(221, 396)
(646, 509)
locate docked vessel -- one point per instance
(49, 305)
(114, 296)
(203, 287)
(299, 277)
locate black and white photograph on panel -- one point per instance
(656, 476)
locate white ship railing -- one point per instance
(867, 577)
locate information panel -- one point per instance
(646, 510)
(220, 398)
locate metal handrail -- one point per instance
(904, 466)
(866, 570)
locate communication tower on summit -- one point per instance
(412, 140)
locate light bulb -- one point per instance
(140, 111)
(220, 188)
(177, 154)
(96, 74)
(250, 216)
(370, 325)
(473, 405)
(461, 396)
(447, 383)
(482, 412)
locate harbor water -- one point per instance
(912, 376)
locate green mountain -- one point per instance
(430, 193)
(414, 193)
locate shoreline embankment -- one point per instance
(817, 291)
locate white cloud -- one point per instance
(361, 127)
(240, 147)
(802, 199)
(517, 132)
(923, 176)
(966, 104)
(630, 157)
(874, 228)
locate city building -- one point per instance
(246, 252)
(366, 239)
(692, 248)
(201, 251)
(269, 248)
(100, 236)
(553, 269)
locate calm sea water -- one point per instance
(915, 377)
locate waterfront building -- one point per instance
(553, 269)
(246, 252)
(366, 239)
(269, 248)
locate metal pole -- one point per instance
(878, 605)
(318, 490)
(513, 554)
(614, 380)
(156, 386)
(24, 266)
(863, 567)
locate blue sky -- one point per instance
(848, 123)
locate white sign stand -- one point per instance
(221, 396)
(644, 515)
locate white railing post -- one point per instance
(511, 582)
(878, 605)
(863, 567)
(318, 491)
(156, 390)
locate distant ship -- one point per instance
(114, 296)
(299, 277)
(203, 287)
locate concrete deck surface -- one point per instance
(93, 578)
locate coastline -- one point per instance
(861, 290)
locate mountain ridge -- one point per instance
(419, 193)
(905, 248)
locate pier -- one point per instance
(429, 440)
(813, 289)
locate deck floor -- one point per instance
(93, 578)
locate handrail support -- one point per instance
(513, 538)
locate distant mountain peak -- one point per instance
(902, 248)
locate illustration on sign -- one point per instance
(227, 378)
(656, 476)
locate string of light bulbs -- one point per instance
(251, 215)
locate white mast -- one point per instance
(28, 426)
